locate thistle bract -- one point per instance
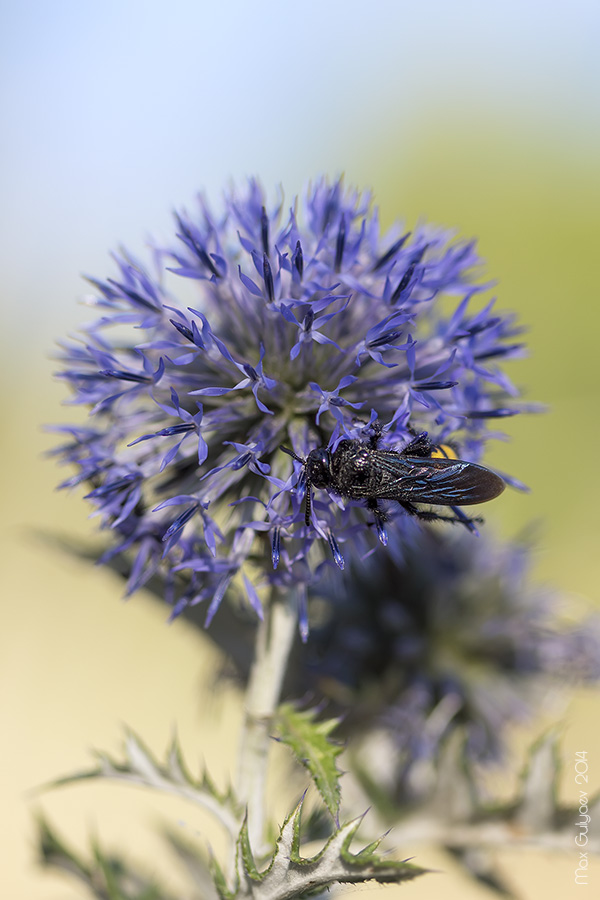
(308, 325)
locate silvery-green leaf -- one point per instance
(456, 794)
(308, 738)
(537, 805)
(481, 865)
(140, 767)
(106, 875)
(290, 875)
(195, 862)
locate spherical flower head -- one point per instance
(307, 327)
(441, 635)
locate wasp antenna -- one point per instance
(292, 454)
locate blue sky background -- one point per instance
(113, 113)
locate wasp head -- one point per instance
(318, 468)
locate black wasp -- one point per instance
(421, 472)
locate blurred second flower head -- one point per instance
(309, 327)
(443, 634)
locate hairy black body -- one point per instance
(361, 470)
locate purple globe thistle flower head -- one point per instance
(308, 327)
(443, 633)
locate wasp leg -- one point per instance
(420, 445)
(465, 520)
(375, 437)
(376, 431)
(380, 519)
(435, 517)
(377, 512)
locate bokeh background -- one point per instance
(480, 116)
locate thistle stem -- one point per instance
(274, 641)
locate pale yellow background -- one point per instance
(514, 162)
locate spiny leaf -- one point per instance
(107, 876)
(54, 852)
(197, 864)
(538, 803)
(290, 875)
(309, 740)
(456, 792)
(470, 826)
(481, 866)
(245, 853)
(140, 767)
(220, 881)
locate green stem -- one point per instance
(274, 641)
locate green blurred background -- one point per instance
(479, 117)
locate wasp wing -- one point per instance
(446, 482)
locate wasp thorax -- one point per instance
(318, 468)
